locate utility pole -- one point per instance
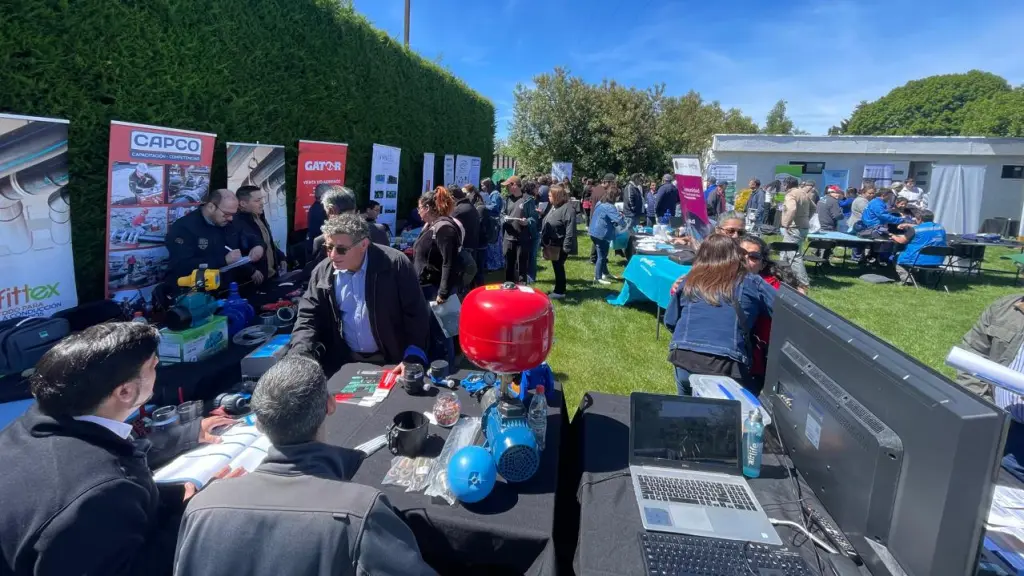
(407, 23)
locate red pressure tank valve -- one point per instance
(505, 328)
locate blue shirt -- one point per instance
(350, 292)
(603, 221)
(925, 234)
(877, 214)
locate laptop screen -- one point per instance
(694, 432)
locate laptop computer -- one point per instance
(687, 472)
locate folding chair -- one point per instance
(943, 251)
(823, 246)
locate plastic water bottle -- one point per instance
(139, 318)
(538, 416)
(753, 444)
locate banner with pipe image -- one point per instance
(262, 165)
(155, 176)
(691, 196)
(37, 268)
(384, 166)
(319, 163)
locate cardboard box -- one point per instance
(194, 344)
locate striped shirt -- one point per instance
(1011, 401)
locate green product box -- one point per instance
(194, 344)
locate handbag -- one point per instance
(447, 314)
(23, 341)
(552, 252)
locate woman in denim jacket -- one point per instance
(603, 222)
(706, 310)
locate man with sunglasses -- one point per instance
(205, 236)
(363, 303)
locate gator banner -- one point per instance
(156, 175)
(319, 163)
(262, 165)
(37, 268)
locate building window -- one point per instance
(1013, 172)
(810, 167)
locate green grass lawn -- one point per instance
(605, 348)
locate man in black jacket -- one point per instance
(254, 235)
(78, 496)
(363, 303)
(516, 217)
(666, 199)
(205, 236)
(633, 201)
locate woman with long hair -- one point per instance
(712, 314)
(756, 253)
(558, 236)
(435, 256)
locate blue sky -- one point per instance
(822, 56)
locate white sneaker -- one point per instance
(603, 281)
(556, 296)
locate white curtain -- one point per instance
(956, 193)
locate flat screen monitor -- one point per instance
(902, 458)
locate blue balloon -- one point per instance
(471, 474)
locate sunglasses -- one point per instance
(755, 256)
(340, 250)
(738, 232)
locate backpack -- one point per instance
(488, 229)
(23, 341)
(465, 267)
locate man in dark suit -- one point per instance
(254, 235)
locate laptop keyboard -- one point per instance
(700, 492)
(671, 554)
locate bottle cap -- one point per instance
(539, 389)
(755, 415)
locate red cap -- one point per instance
(539, 389)
(833, 188)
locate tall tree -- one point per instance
(1001, 115)
(777, 122)
(932, 106)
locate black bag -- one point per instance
(465, 268)
(685, 257)
(23, 341)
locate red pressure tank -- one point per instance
(505, 328)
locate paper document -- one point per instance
(1007, 508)
(241, 446)
(971, 363)
(240, 262)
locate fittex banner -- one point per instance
(319, 163)
(691, 196)
(428, 172)
(384, 182)
(156, 175)
(37, 268)
(262, 165)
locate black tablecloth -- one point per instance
(512, 531)
(609, 519)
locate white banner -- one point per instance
(384, 176)
(37, 265)
(467, 171)
(428, 172)
(561, 170)
(449, 170)
(262, 165)
(880, 174)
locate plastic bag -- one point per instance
(400, 473)
(463, 434)
(814, 225)
(420, 474)
(448, 315)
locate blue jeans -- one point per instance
(601, 267)
(683, 382)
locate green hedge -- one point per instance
(272, 71)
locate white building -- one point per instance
(968, 179)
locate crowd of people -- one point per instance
(94, 508)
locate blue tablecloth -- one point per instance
(649, 278)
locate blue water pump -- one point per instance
(237, 310)
(509, 437)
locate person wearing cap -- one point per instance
(516, 216)
(141, 182)
(666, 199)
(829, 212)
